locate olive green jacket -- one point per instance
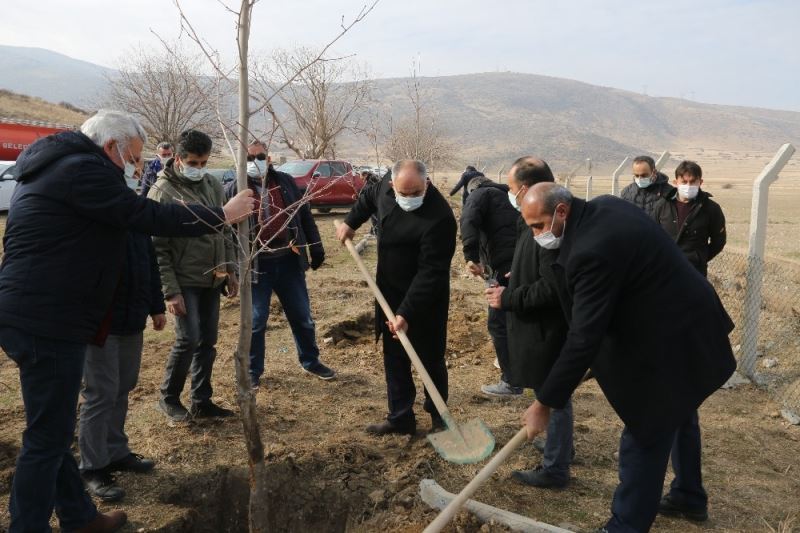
(192, 261)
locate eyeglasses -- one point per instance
(260, 157)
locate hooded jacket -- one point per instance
(65, 237)
(203, 261)
(489, 227)
(646, 198)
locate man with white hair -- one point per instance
(417, 240)
(64, 252)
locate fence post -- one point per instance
(755, 258)
(662, 159)
(615, 176)
(589, 180)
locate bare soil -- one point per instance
(326, 474)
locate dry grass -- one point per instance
(20, 106)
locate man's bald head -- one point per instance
(546, 206)
(409, 177)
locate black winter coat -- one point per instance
(536, 324)
(489, 227)
(702, 235)
(647, 198)
(415, 250)
(302, 228)
(615, 268)
(65, 236)
(138, 294)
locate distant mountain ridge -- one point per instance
(490, 116)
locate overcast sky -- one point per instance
(741, 52)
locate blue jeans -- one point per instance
(46, 475)
(285, 276)
(559, 446)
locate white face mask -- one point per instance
(513, 199)
(547, 240)
(410, 203)
(128, 168)
(164, 160)
(192, 173)
(688, 192)
(643, 183)
(257, 168)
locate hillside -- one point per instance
(20, 106)
(51, 76)
(491, 117)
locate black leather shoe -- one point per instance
(133, 462)
(539, 477)
(209, 410)
(387, 428)
(437, 424)
(102, 485)
(105, 523)
(174, 411)
(668, 507)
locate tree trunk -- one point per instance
(247, 400)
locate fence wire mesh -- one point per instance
(769, 355)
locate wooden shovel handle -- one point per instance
(449, 512)
(444, 412)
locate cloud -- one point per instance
(732, 52)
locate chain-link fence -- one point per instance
(768, 354)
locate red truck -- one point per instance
(16, 135)
(332, 183)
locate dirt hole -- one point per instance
(352, 329)
(314, 495)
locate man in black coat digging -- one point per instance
(536, 329)
(616, 266)
(417, 240)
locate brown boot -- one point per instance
(105, 523)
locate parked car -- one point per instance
(330, 183)
(7, 184)
(225, 175)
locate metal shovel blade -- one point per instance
(466, 443)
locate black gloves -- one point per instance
(317, 260)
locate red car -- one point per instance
(331, 183)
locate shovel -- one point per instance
(465, 444)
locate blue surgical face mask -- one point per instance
(192, 173)
(547, 240)
(257, 168)
(128, 167)
(643, 183)
(513, 199)
(410, 204)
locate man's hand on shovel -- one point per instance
(344, 232)
(399, 324)
(535, 419)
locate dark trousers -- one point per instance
(400, 387)
(641, 476)
(285, 277)
(559, 446)
(499, 333)
(195, 346)
(687, 487)
(46, 476)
